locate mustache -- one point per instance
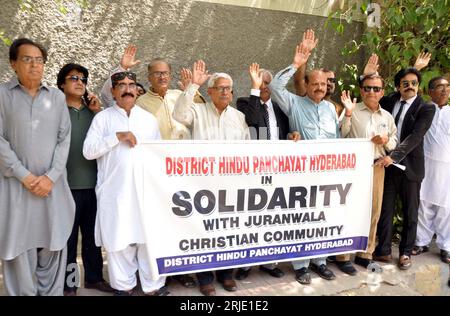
(318, 90)
(127, 94)
(409, 89)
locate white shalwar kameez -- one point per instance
(118, 225)
(434, 211)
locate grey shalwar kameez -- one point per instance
(34, 137)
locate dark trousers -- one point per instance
(208, 276)
(85, 213)
(396, 183)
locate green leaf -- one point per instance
(340, 29)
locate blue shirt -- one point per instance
(311, 120)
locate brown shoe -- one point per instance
(102, 286)
(208, 289)
(229, 285)
(385, 259)
(404, 262)
(70, 292)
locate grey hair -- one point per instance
(265, 71)
(155, 61)
(212, 80)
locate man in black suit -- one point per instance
(413, 117)
(263, 116)
(266, 121)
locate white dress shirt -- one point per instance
(205, 121)
(118, 221)
(402, 116)
(273, 126)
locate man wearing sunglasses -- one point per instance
(36, 206)
(82, 175)
(434, 211)
(110, 139)
(413, 119)
(368, 120)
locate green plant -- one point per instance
(407, 27)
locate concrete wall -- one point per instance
(227, 37)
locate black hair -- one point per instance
(363, 78)
(141, 86)
(402, 73)
(14, 48)
(433, 81)
(61, 79)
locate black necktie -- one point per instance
(266, 119)
(399, 113)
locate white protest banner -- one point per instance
(213, 205)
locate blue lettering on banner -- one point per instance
(215, 260)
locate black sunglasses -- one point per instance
(121, 75)
(76, 78)
(332, 80)
(375, 89)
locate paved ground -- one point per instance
(427, 276)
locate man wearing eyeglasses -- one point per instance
(215, 120)
(159, 99)
(434, 210)
(303, 118)
(413, 119)
(368, 120)
(300, 74)
(110, 139)
(36, 206)
(72, 80)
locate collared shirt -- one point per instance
(81, 173)
(406, 107)
(311, 120)
(437, 159)
(118, 214)
(205, 121)
(364, 123)
(274, 133)
(162, 109)
(34, 138)
(437, 139)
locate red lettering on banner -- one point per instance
(190, 166)
(332, 162)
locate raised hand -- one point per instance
(309, 40)
(301, 55)
(347, 102)
(128, 56)
(255, 76)
(185, 78)
(199, 73)
(372, 65)
(422, 60)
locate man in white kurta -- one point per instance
(434, 211)
(215, 120)
(111, 139)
